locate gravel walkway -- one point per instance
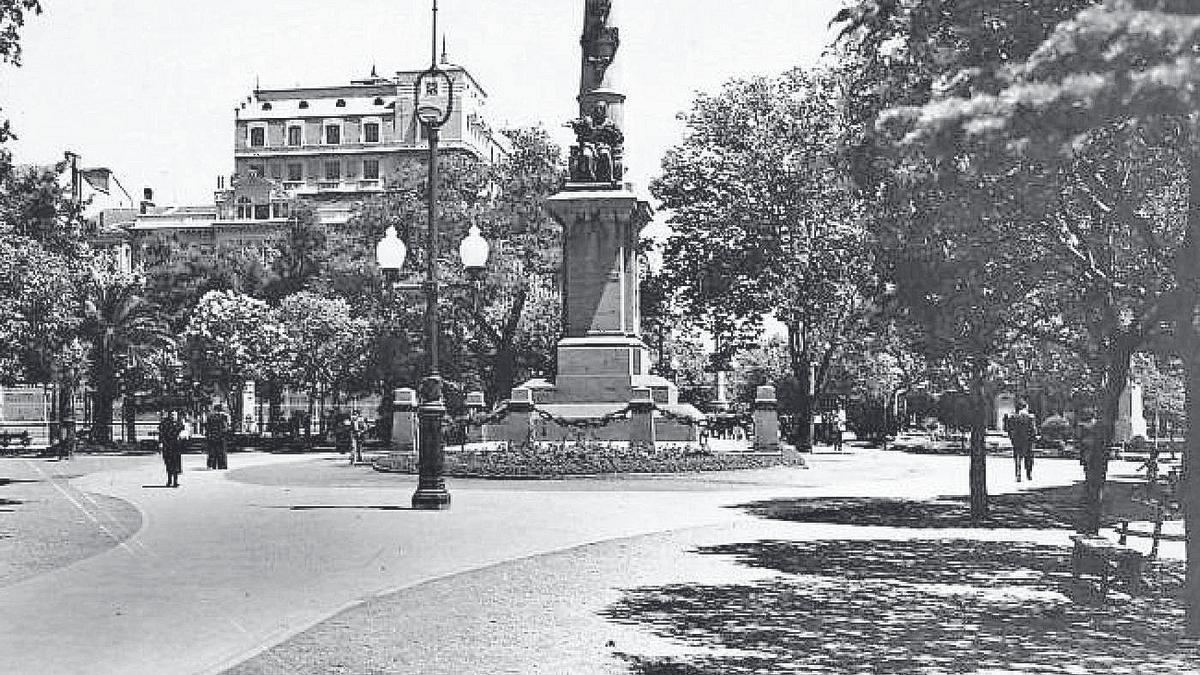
(45, 523)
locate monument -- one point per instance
(603, 365)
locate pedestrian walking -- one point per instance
(358, 430)
(216, 428)
(169, 430)
(1022, 430)
(838, 433)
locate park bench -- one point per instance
(1099, 556)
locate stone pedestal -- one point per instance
(516, 426)
(404, 420)
(601, 357)
(641, 419)
(1131, 418)
(766, 420)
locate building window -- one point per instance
(341, 103)
(266, 106)
(333, 134)
(276, 172)
(258, 137)
(304, 105)
(256, 170)
(371, 132)
(279, 210)
(333, 170)
(244, 208)
(295, 135)
(371, 169)
(295, 172)
(262, 211)
(431, 87)
(379, 101)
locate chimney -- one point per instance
(147, 200)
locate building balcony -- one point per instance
(341, 186)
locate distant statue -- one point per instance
(597, 157)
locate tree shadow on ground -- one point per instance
(928, 607)
(1055, 507)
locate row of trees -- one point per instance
(981, 191)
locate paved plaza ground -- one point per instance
(862, 563)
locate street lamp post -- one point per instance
(434, 91)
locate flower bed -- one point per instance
(588, 459)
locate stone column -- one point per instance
(404, 420)
(641, 421)
(475, 407)
(766, 420)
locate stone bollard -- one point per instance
(475, 407)
(518, 425)
(641, 420)
(766, 420)
(404, 420)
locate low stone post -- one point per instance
(766, 420)
(475, 406)
(519, 423)
(641, 420)
(404, 420)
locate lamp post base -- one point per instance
(431, 499)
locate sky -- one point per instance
(148, 88)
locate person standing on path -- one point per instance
(358, 430)
(1022, 430)
(169, 429)
(216, 426)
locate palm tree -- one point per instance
(124, 329)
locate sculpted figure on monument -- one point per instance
(597, 157)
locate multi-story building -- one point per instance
(335, 145)
(331, 147)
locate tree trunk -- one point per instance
(102, 414)
(1096, 465)
(504, 372)
(1191, 490)
(66, 416)
(1188, 278)
(130, 410)
(977, 480)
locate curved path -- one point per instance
(222, 568)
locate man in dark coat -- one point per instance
(169, 429)
(1022, 431)
(216, 427)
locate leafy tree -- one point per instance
(123, 329)
(300, 257)
(39, 308)
(12, 19)
(177, 276)
(506, 313)
(947, 244)
(1126, 67)
(763, 222)
(232, 339)
(328, 349)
